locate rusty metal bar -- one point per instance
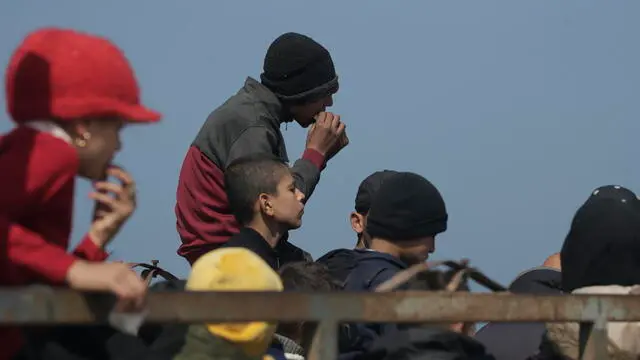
(325, 341)
(594, 340)
(48, 306)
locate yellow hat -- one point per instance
(236, 269)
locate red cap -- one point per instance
(66, 74)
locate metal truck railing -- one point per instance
(46, 306)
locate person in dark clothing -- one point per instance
(341, 261)
(406, 215)
(265, 201)
(600, 255)
(601, 247)
(428, 341)
(513, 341)
(298, 83)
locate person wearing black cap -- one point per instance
(341, 261)
(600, 255)
(297, 83)
(405, 216)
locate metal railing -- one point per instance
(46, 306)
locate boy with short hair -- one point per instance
(266, 203)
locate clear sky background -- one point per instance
(516, 110)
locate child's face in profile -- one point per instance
(287, 206)
(418, 250)
(97, 142)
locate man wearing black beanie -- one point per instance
(405, 216)
(297, 83)
(341, 261)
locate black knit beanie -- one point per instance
(406, 207)
(603, 244)
(369, 187)
(298, 69)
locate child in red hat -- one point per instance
(70, 94)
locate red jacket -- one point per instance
(36, 204)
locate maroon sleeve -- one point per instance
(315, 158)
(203, 218)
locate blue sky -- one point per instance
(515, 110)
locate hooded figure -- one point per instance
(600, 255)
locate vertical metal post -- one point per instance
(594, 340)
(325, 341)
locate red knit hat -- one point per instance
(65, 74)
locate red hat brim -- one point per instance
(90, 107)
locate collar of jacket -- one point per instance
(250, 239)
(51, 128)
(269, 100)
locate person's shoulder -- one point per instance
(367, 275)
(37, 157)
(240, 110)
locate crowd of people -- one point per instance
(70, 94)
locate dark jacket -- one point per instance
(517, 341)
(283, 253)
(424, 343)
(372, 269)
(340, 262)
(247, 123)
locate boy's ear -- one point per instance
(266, 207)
(357, 222)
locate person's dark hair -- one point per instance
(248, 177)
(307, 276)
(304, 276)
